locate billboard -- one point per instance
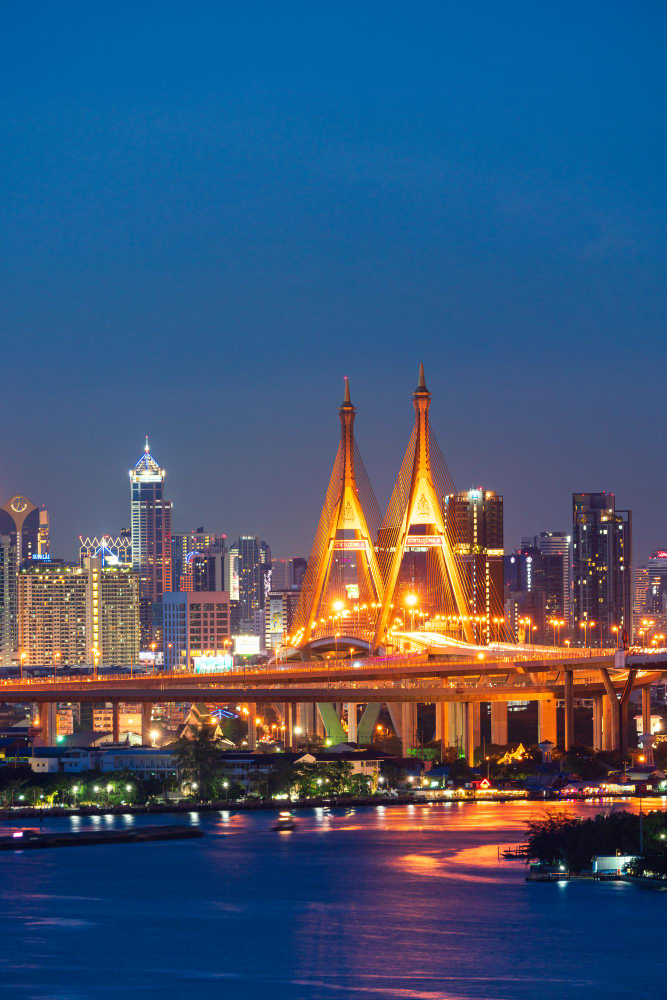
(246, 645)
(212, 664)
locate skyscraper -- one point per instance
(8, 602)
(151, 537)
(24, 538)
(28, 527)
(254, 561)
(474, 521)
(601, 568)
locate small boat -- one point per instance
(285, 821)
(326, 810)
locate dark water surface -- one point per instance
(396, 902)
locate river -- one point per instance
(406, 902)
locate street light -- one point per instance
(23, 656)
(410, 603)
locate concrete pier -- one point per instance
(499, 723)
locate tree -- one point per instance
(199, 759)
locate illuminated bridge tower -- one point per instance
(414, 523)
(343, 571)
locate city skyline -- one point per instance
(299, 541)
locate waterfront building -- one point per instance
(601, 568)
(112, 550)
(474, 521)
(73, 615)
(195, 624)
(151, 537)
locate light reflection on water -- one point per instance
(397, 902)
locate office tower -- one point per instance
(557, 543)
(112, 550)
(73, 614)
(254, 562)
(534, 586)
(641, 590)
(656, 591)
(27, 527)
(474, 522)
(151, 537)
(288, 573)
(186, 545)
(601, 568)
(208, 570)
(280, 610)
(195, 624)
(8, 602)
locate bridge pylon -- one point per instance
(342, 561)
(415, 521)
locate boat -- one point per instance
(30, 839)
(285, 821)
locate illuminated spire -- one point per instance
(347, 399)
(146, 448)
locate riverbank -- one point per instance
(243, 805)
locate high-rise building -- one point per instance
(254, 562)
(474, 522)
(534, 588)
(641, 590)
(8, 602)
(602, 590)
(185, 545)
(74, 615)
(151, 537)
(280, 610)
(195, 624)
(656, 591)
(28, 527)
(113, 551)
(288, 573)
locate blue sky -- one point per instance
(210, 213)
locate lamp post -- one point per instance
(22, 658)
(56, 657)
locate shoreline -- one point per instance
(157, 808)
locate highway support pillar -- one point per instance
(146, 718)
(472, 727)
(252, 726)
(499, 723)
(547, 721)
(47, 722)
(115, 722)
(568, 697)
(597, 721)
(609, 721)
(335, 733)
(352, 729)
(646, 709)
(367, 723)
